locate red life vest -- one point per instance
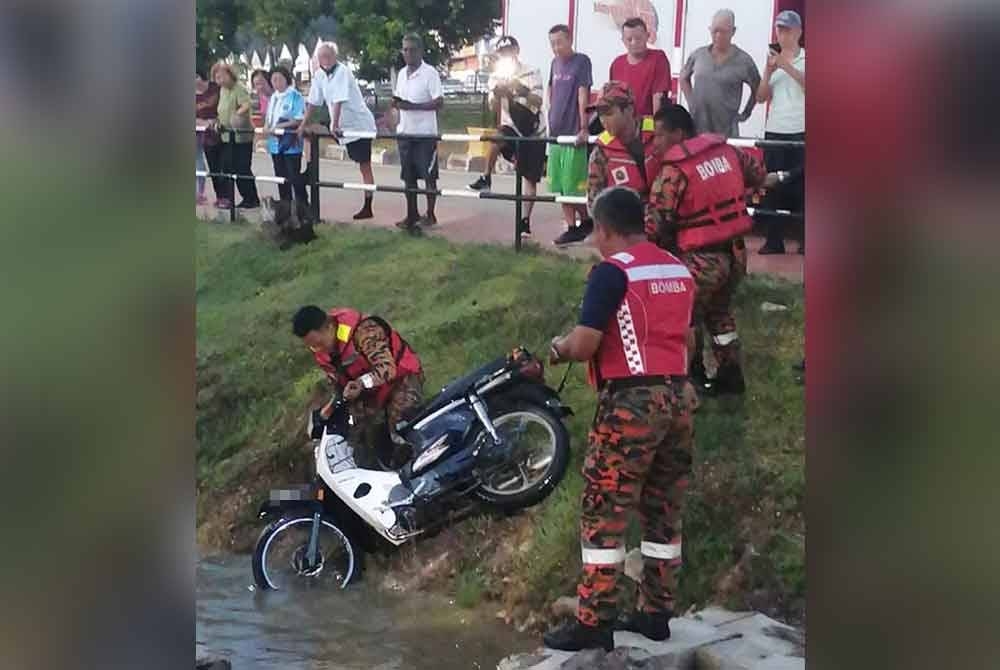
(648, 335)
(349, 364)
(714, 208)
(622, 168)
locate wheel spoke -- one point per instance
(532, 450)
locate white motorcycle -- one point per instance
(495, 436)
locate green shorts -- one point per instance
(567, 170)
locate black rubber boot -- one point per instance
(727, 381)
(574, 636)
(697, 374)
(656, 627)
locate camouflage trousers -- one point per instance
(638, 459)
(373, 423)
(716, 275)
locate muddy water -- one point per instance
(359, 627)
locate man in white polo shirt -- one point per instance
(416, 99)
(784, 86)
(335, 86)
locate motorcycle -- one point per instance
(495, 437)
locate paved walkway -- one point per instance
(473, 220)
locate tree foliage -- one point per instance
(372, 30)
(367, 31)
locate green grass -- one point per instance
(469, 587)
(460, 306)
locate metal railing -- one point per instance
(518, 198)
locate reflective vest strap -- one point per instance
(344, 332)
(665, 552)
(593, 556)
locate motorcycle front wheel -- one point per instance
(538, 444)
(280, 558)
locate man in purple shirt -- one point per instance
(570, 79)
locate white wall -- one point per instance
(529, 22)
(599, 36)
(753, 34)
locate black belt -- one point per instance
(612, 385)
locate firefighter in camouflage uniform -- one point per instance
(633, 329)
(698, 210)
(374, 368)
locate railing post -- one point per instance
(231, 162)
(314, 174)
(518, 206)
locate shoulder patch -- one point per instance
(605, 137)
(624, 257)
(343, 332)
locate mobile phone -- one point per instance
(775, 47)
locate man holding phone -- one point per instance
(784, 86)
(416, 99)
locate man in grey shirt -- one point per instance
(720, 71)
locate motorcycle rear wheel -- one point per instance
(538, 465)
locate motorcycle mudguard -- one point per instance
(540, 394)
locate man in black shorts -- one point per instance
(333, 85)
(516, 94)
(416, 98)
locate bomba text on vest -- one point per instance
(710, 168)
(670, 286)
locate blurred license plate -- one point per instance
(304, 492)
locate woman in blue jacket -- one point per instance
(285, 110)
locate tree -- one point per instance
(216, 23)
(284, 21)
(371, 31)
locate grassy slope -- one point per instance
(460, 306)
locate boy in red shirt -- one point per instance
(645, 70)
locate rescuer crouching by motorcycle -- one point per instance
(372, 366)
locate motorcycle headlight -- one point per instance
(431, 454)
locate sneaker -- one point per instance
(653, 626)
(574, 636)
(365, 212)
(574, 235)
(222, 203)
(427, 221)
(406, 224)
(409, 226)
(524, 228)
(484, 183)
